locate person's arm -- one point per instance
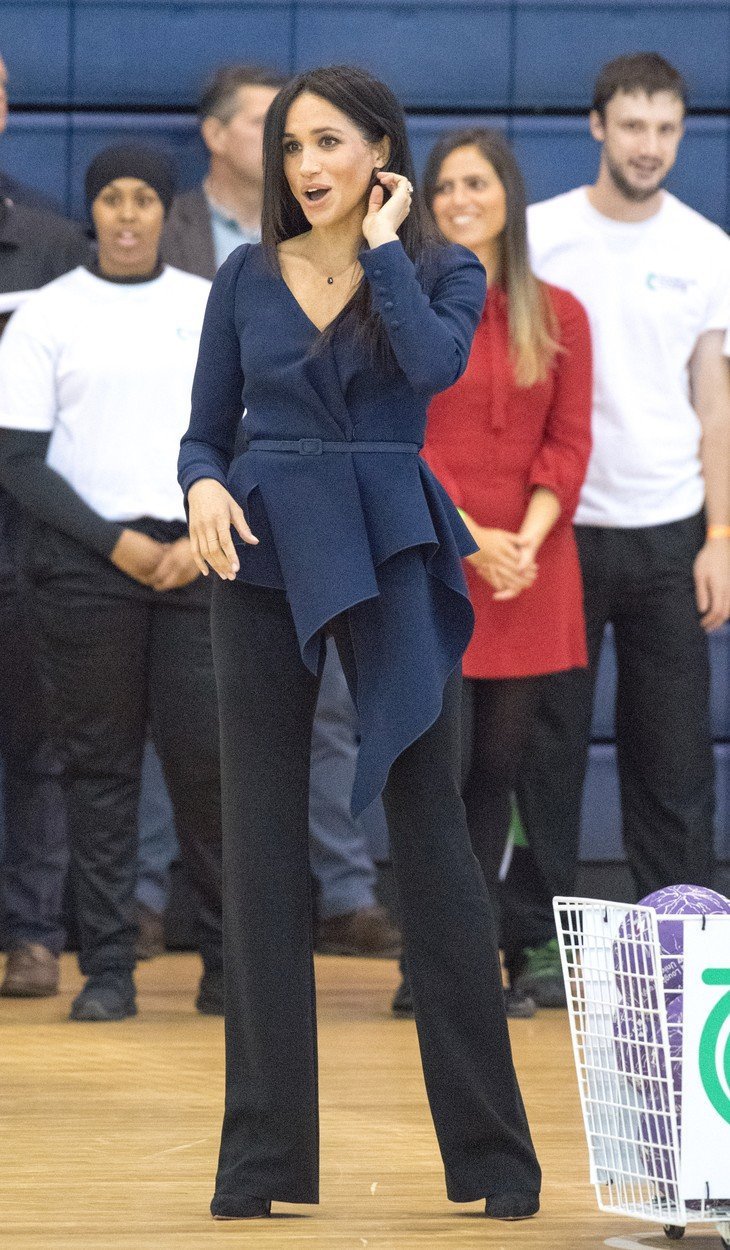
(430, 336)
(710, 387)
(559, 468)
(47, 496)
(207, 447)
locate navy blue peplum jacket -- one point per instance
(348, 516)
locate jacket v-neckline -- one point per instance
(306, 317)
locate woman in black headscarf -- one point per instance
(95, 374)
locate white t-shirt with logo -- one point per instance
(107, 368)
(650, 290)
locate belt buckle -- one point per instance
(310, 446)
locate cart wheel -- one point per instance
(674, 1232)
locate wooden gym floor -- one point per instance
(110, 1132)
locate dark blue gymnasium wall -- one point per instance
(87, 72)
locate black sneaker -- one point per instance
(402, 1004)
(539, 974)
(105, 998)
(517, 1005)
(210, 993)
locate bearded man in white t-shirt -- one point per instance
(653, 522)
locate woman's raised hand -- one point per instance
(383, 219)
(212, 514)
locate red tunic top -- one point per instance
(490, 443)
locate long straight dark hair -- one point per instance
(532, 322)
(374, 110)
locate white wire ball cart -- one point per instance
(649, 1009)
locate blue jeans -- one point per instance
(157, 837)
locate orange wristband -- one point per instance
(718, 531)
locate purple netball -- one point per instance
(658, 1096)
(633, 955)
(670, 904)
(641, 1057)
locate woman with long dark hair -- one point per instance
(332, 336)
(510, 441)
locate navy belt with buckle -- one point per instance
(319, 446)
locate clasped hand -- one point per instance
(163, 566)
(506, 561)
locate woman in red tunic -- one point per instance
(510, 442)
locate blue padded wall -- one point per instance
(722, 765)
(35, 149)
(557, 153)
(433, 53)
(560, 47)
(36, 47)
(720, 693)
(119, 46)
(601, 818)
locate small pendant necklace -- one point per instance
(331, 277)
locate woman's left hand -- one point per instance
(527, 546)
(176, 568)
(383, 219)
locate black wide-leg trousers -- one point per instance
(270, 1144)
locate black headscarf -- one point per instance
(132, 161)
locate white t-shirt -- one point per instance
(650, 289)
(107, 367)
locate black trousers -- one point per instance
(35, 854)
(118, 657)
(270, 1143)
(503, 711)
(641, 581)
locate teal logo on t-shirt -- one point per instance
(662, 282)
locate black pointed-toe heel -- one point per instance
(240, 1208)
(512, 1206)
